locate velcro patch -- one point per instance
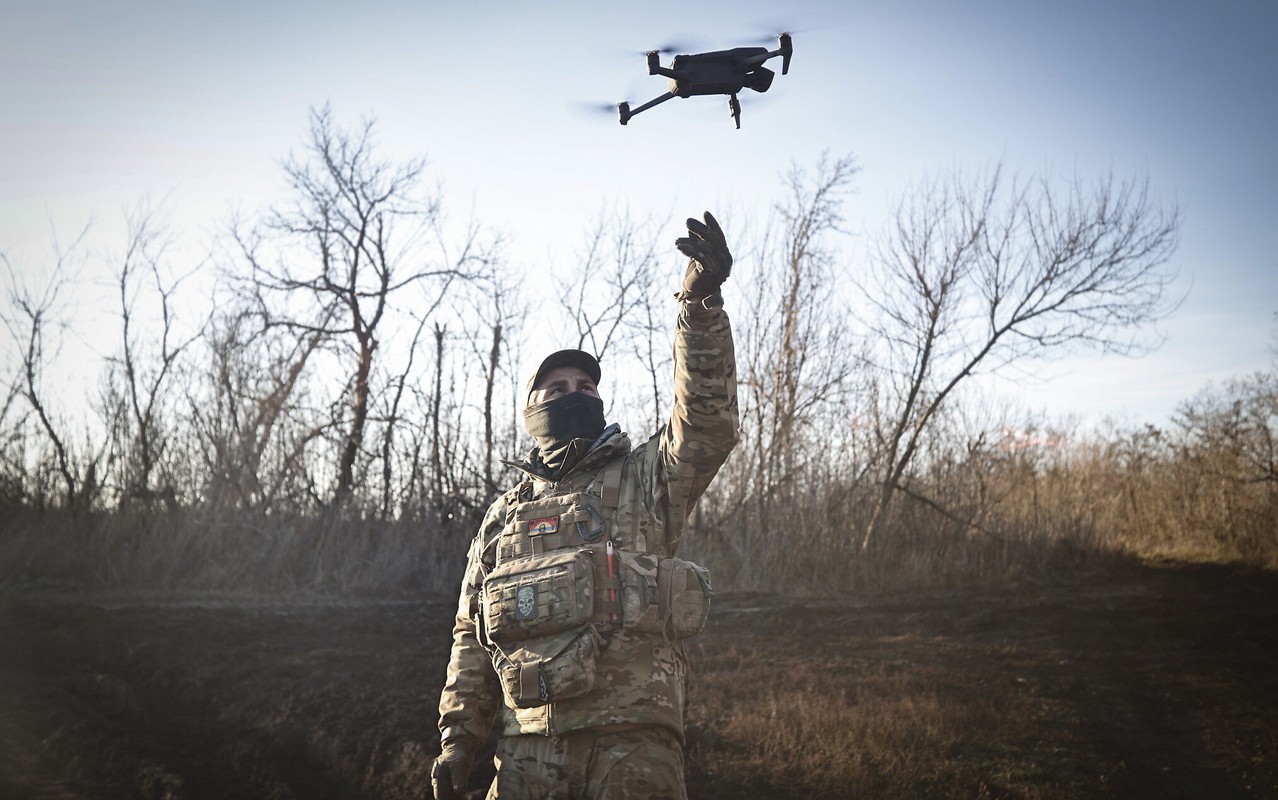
(543, 526)
(526, 602)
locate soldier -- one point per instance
(574, 606)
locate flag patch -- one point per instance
(543, 526)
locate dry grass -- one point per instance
(813, 726)
(1126, 687)
(189, 550)
(1131, 685)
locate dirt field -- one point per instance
(1159, 682)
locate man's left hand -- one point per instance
(711, 261)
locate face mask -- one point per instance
(556, 422)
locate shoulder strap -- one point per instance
(521, 493)
(612, 474)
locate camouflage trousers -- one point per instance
(634, 764)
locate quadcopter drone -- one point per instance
(721, 72)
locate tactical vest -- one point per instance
(566, 576)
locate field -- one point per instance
(1146, 681)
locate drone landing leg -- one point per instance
(627, 113)
(734, 108)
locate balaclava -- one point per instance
(570, 416)
(566, 426)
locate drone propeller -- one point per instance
(670, 48)
(599, 108)
(679, 45)
(784, 40)
(595, 111)
(768, 28)
(770, 38)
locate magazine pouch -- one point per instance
(539, 596)
(550, 669)
(669, 596)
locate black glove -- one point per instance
(711, 262)
(451, 771)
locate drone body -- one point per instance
(721, 72)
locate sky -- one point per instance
(103, 104)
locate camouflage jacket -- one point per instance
(641, 679)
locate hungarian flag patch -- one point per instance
(543, 526)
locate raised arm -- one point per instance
(703, 422)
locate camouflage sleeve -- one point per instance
(703, 423)
(472, 694)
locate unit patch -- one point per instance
(543, 526)
(526, 602)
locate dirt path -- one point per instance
(1159, 682)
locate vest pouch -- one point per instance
(669, 596)
(558, 522)
(639, 611)
(548, 670)
(539, 596)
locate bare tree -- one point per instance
(29, 318)
(648, 325)
(614, 269)
(796, 365)
(364, 224)
(393, 418)
(242, 404)
(1229, 445)
(446, 463)
(800, 354)
(145, 384)
(978, 274)
(614, 297)
(498, 311)
(13, 489)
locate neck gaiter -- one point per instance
(555, 423)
